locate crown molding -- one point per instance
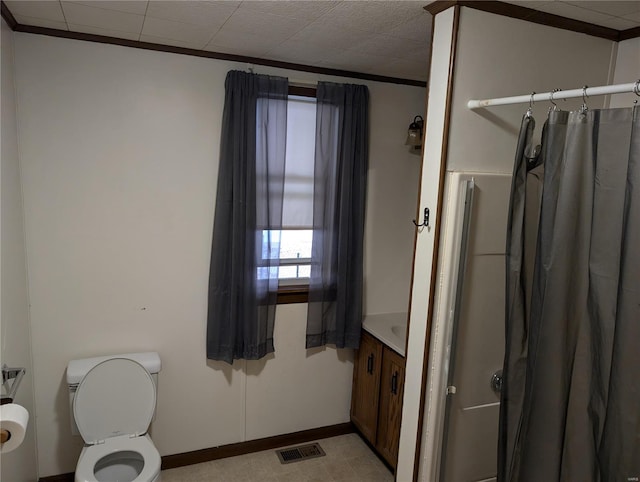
(535, 16)
(8, 16)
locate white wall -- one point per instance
(499, 56)
(627, 69)
(15, 349)
(119, 156)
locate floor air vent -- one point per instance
(303, 452)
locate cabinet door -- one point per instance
(391, 391)
(366, 386)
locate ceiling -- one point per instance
(389, 38)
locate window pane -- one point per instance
(293, 244)
(296, 243)
(270, 244)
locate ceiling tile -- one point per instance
(244, 43)
(41, 22)
(388, 46)
(180, 31)
(210, 14)
(104, 32)
(49, 10)
(305, 10)
(78, 14)
(418, 28)
(168, 41)
(130, 6)
(372, 16)
(530, 3)
(634, 17)
(355, 60)
(301, 53)
(615, 8)
(572, 11)
(618, 23)
(264, 24)
(330, 37)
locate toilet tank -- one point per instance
(77, 369)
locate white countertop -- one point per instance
(389, 328)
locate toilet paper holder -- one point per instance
(8, 374)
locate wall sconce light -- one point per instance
(414, 135)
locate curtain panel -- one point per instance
(243, 277)
(340, 180)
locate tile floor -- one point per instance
(348, 459)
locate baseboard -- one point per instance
(268, 443)
(240, 448)
(70, 477)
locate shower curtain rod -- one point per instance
(560, 94)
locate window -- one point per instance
(297, 210)
(292, 244)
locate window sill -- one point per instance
(293, 294)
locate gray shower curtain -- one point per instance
(334, 313)
(243, 277)
(570, 406)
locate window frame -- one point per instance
(296, 293)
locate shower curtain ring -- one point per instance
(636, 90)
(555, 106)
(530, 109)
(584, 107)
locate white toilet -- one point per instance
(113, 400)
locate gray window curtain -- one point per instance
(571, 406)
(243, 277)
(340, 182)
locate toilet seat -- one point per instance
(116, 397)
(142, 445)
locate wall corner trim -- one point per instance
(436, 248)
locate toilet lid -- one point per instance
(116, 397)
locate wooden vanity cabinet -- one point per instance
(366, 387)
(390, 414)
(376, 400)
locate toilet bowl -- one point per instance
(113, 407)
(122, 459)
